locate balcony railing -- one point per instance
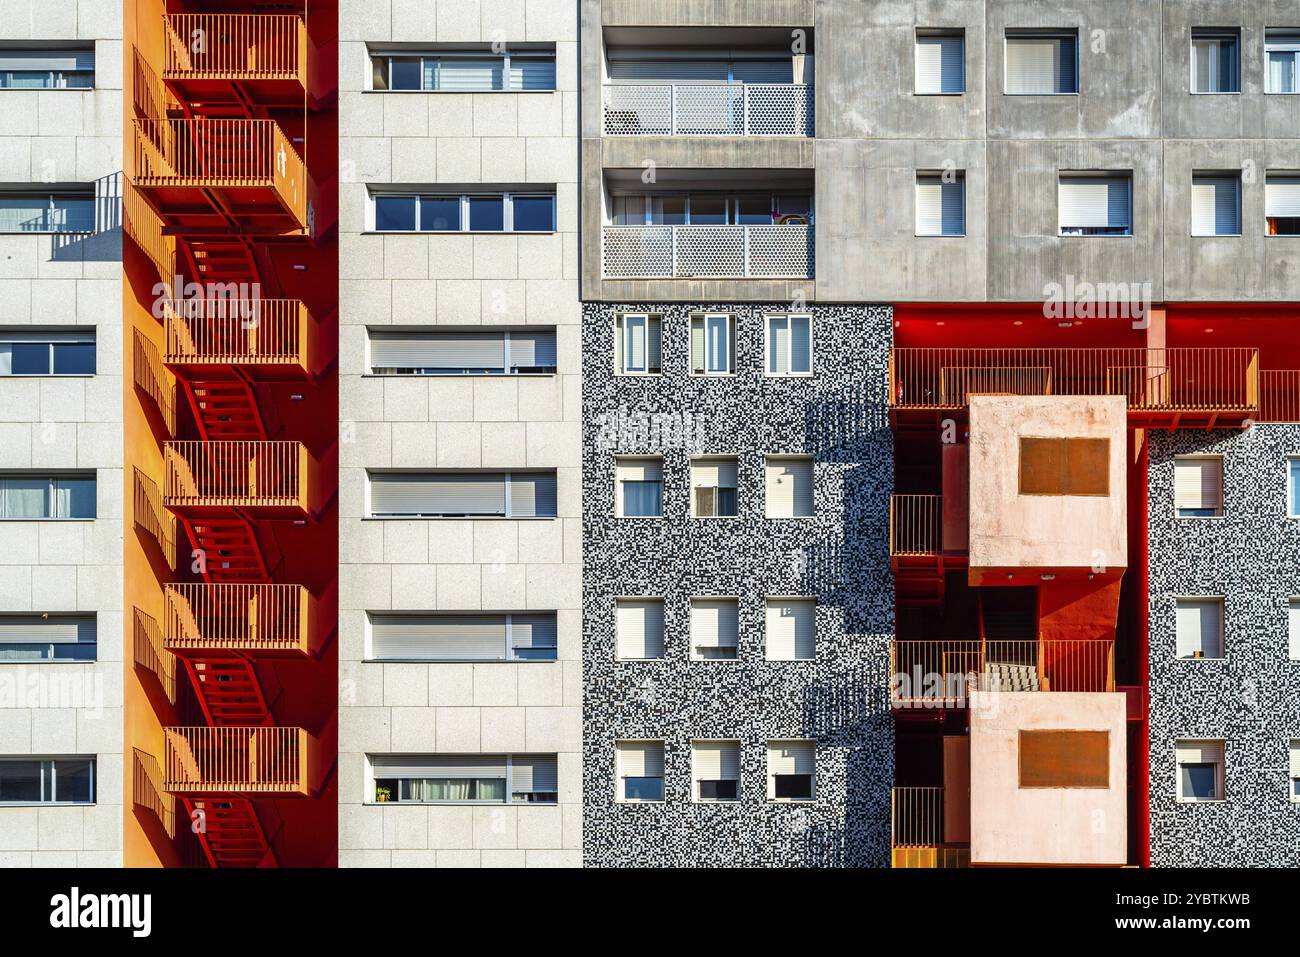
(236, 474)
(152, 518)
(265, 332)
(739, 252)
(709, 109)
(150, 654)
(220, 154)
(943, 672)
(246, 760)
(147, 790)
(235, 46)
(918, 830)
(152, 378)
(915, 525)
(143, 225)
(236, 617)
(1279, 395)
(1180, 379)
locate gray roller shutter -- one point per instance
(532, 495)
(532, 73)
(443, 351)
(1216, 208)
(1039, 64)
(532, 631)
(470, 75)
(532, 350)
(438, 637)
(438, 766)
(534, 774)
(1094, 201)
(418, 494)
(36, 60)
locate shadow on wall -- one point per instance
(104, 242)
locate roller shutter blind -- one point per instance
(1040, 64)
(49, 60)
(462, 494)
(1216, 206)
(640, 628)
(717, 472)
(791, 757)
(639, 470)
(532, 632)
(716, 760)
(467, 75)
(532, 350)
(1282, 195)
(646, 69)
(763, 71)
(1198, 484)
(791, 629)
(714, 623)
(438, 766)
(438, 637)
(940, 206)
(442, 351)
(1199, 625)
(1206, 752)
(534, 774)
(640, 759)
(940, 63)
(532, 73)
(1094, 201)
(1295, 767)
(532, 495)
(55, 629)
(789, 487)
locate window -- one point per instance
(715, 770)
(715, 628)
(1095, 204)
(1198, 486)
(28, 496)
(24, 352)
(637, 344)
(1295, 770)
(464, 71)
(70, 210)
(638, 65)
(1216, 204)
(465, 778)
(1064, 758)
(428, 352)
(1041, 63)
(639, 627)
(712, 209)
(1215, 61)
(789, 345)
(47, 780)
(941, 204)
(639, 487)
(467, 636)
(1293, 487)
(451, 213)
(462, 495)
(713, 488)
(49, 69)
(639, 767)
(1281, 50)
(1293, 629)
(1064, 466)
(47, 638)
(788, 482)
(713, 341)
(791, 770)
(940, 62)
(1199, 626)
(1282, 204)
(791, 629)
(1200, 770)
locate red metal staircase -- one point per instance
(230, 548)
(231, 834)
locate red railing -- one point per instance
(936, 672)
(234, 46)
(1279, 399)
(236, 331)
(1181, 379)
(915, 524)
(239, 617)
(240, 759)
(236, 473)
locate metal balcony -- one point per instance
(918, 837)
(238, 760)
(271, 479)
(271, 336)
(723, 252)
(708, 109)
(265, 53)
(258, 619)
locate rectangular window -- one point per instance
(465, 778)
(639, 487)
(940, 62)
(1199, 626)
(1198, 486)
(788, 482)
(715, 770)
(1282, 204)
(430, 352)
(1293, 629)
(1064, 759)
(791, 770)
(1216, 204)
(48, 69)
(1295, 770)
(462, 636)
(449, 213)
(462, 495)
(1041, 63)
(789, 345)
(25, 495)
(713, 342)
(637, 344)
(941, 204)
(464, 71)
(33, 210)
(1215, 61)
(791, 629)
(715, 628)
(1200, 770)
(713, 488)
(47, 637)
(1064, 466)
(1281, 51)
(28, 780)
(639, 768)
(1095, 204)
(639, 627)
(1293, 487)
(24, 352)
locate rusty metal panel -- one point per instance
(1064, 759)
(1064, 466)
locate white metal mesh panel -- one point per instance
(638, 109)
(778, 109)
(638, 251)
(708, 109)
(780, 251)
(710, 251)
(649, 252)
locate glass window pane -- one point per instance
(778, 344)
(20, 781)
(1295, 486)
(24, 214)
(643, 789)
(634, 351)
(31, 358)
(24, 497)
(490, 789)
(1198, 781)
(629, 210)
(73, 781)
(668, 210)
(754, 211)
(533, 214)
(439, 213)
(487, 213)
(708, 210)
(394, 213)
(719, 358)
(800, 344)
(74, 358)
(405, 73)
(796, 206)
(1281, 71)
(74, 498)
(642, 499)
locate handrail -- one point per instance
(933, 672)
(777, 251)
(154, 380)
(1279, 395)
(917, 817)
(147, 790)
(708, 109)
(237, 616)
(236, 331)
(149, 95)
(150, 654)
(259, 46)
(155, 520)
(1175, 379)
(239, 759)
(143, 226)
(915, 525)
(235, 473)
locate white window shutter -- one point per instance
(1199, 625)
(716, 760)
(1282, 195)
(1040, 65)
(940, 63)
(1094, 201)
(640, 759)
(791, 757)
(1293, 629)
(940, 206)
(714, 622)
(640, 628)
(791, 629)
(1215, 205)
(789, 487)
(1198, 483)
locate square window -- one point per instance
(639, 487)
(712, 344)
(1295, 770)
(715, 628)
(1215, 61)
(487, 213)
(791, 770)
(1200, 770)
(791, 626)
(639, 767)
(1199, 626)
(1095, 204)
(1198, 486)
(440, 214)
(789, 345)
(395, 213)
(1216, 204)
(713, 488)
(639, 628)
(940, 62)
(715, 768)
(1041, 63)
(533, 214)
(1282, 204)
(788, 486)
(1281, 50)
(1293, 629)
(941, 204)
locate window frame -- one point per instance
(768, 601)
(618, 486)
(507, 198)
(93, 644)
(696, 780)
(49, 764)
(770, 785)
(506, 515)
(663, 626)
(1286, 40)
(1292, 485)
(51, 339)
(1063, 175)
(507, 800)
(1295, 220)
(650, 320)
(509, 656)
(1220, 774)
(927, 175)
(84, 194)
(404, 372)
(692, 652)
(705, 319)
(1235, 177)
(1223, 510)
(620, 790)
(939, 33)
(388, 56)
(802, 459)
(1062, 33)
(56, 77)
(1293, 773)
(1216, 35)
(706, 457)
(1221, 601)
(52, 478)
(788, 373)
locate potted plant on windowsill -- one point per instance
(383, 794)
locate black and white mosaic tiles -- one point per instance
(840, 557)
(1251, 697)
